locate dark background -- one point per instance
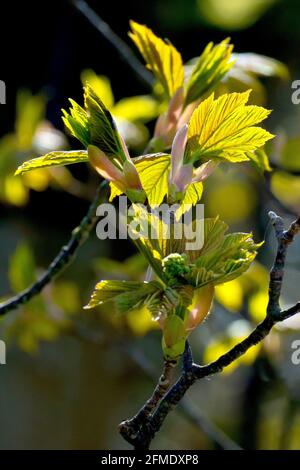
(72, 394)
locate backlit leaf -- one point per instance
(225, 128)
(160, 56)
(153, 171)
(58, 158)
(103, 131)
(114, 191)
(126, 294)
(76, 123)
(192, 196)
(260, 160)
(210, 68)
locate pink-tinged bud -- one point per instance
(160, 126)
(106, 168)
(203, 171)
(131, 175)
(167, 124)
(183, 177)
(202, 301)
(177, 151)
(125, 149)
(187, 113)
(175, 106)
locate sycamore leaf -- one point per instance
(114, 191)
(229, 259)
(108, 290)
(210, 68)
(125, 294)
(153, 171)
(58, 158)
(225, 128)
(77, 123)
(192, 196)
(260, 160)
(214, 230)
(161, 58)
(103, 131)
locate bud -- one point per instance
(105, 167)
(174, 337)
(175, 266)
(167, 124)
(202, 301)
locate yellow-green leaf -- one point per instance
(114, 191)
(192, 196)
(58, 158)
(260, 160)
(103, 131)
(76, 122)
(161, 57)
(126, 294)
(210, 68)
(153, 171)
(225, 128)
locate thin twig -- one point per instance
(61, 261)
(119, 45)
(194, 372)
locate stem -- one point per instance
(193, 372)
(117, 43)
(62, 260)
(130, 428)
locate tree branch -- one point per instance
(188, 410)
(116, 42)
(129, 428)
(193, 372)
(62, 260)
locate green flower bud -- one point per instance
(175, 267)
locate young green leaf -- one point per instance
(260, 160)
(76, 123)
(160, 56)
(153, 171)
(103, 131)
(212, 65)
(192, 196)
(225, 128)
(126, 294)
(114, 191)
(58, 158)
